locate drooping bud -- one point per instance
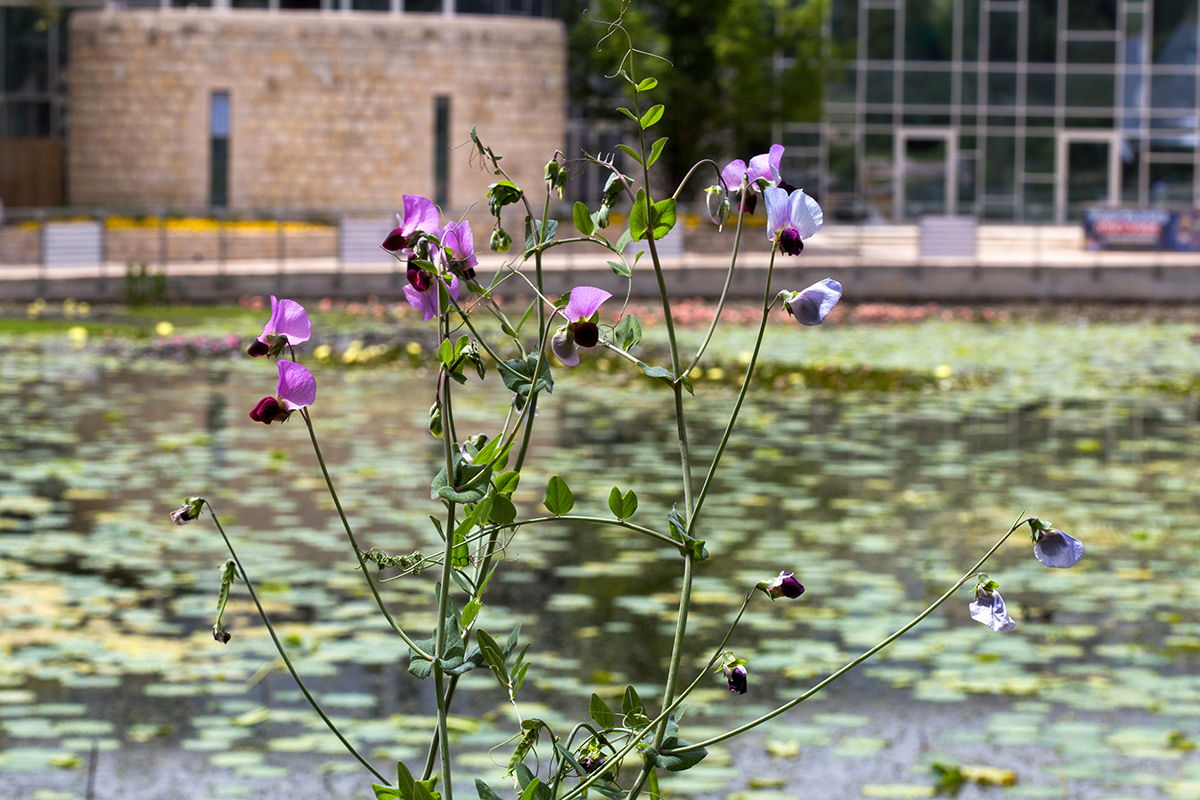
(785, 585)
(501, 241)
(718, 205)
(435, 420)
(258, 349)
(187, 512)
(737, 678)
(395, 241)
(562, 345)
(221, 634)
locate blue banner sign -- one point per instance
(1141, 229)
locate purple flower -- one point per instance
(1056, 549)
(427, 301)
(988, 608)
(289, 324)
(296, 389)
(737, 678)
(791, 219)
(420, 215)
(763, 171)
(458, 239)
(785, 585)
(585, 301)
(811, 305)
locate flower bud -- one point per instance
(187, 512)
(785, 585)
(220, 634)
(501, 241)
(737, 677)
(718, 205)
(562, 345)
(435, 420)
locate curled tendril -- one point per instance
(414, 562)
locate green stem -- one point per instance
(541, 315)
(852, 664)
(737, 242)
(362, 562)
(283, 653)
(737, 406)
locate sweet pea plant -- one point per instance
(614, 752)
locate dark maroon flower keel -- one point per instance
(267, 411)
(587, 334)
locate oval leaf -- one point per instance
(656, 151)
(629, 151)
(558, 499)
(652, 116)
(599, 710)
(647, 84)
(583, 219)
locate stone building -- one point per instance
(335, 110)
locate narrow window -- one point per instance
(218, 185)
(441, 151)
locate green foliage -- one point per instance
(722, 91)
(599, 710)
(558, 499)
(659, 219)
(623, 506)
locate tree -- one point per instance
(739, 67)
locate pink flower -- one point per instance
(459, 245)
(580, 330)
(289, 324)
(420, 215)
(297, 388)
(762, 172)
(427, 301)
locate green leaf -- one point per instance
(621, 269)
(518, 375)
(677, 525)
(627, 113)
(500, 194)
(657, 372)
(623, 241)
(599, 710)
(699, 551)
(471, 611)
(536, 235)
(647, 84)
(630, 702)
(460, 556)
(664, 217)
(686, 383)
(503, 510)
(628, 332)
(472, 494)
(485, 791)
(558, 499)
(506, 482)
(622, 506)
(583, 219)
(386, 792)
(638, 219)
(651, 117)
(531, 791)
(493, 655)
(656, 151)
(446, 352)
(569, 759)
(608, 789)
(677, 762)
(629, 151)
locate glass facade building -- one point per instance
(1019, 110)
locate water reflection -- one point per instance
(877, 502)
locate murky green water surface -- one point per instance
(878, 501)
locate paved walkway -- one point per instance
(875, 263)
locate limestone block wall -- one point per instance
(327, 110)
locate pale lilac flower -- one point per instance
(989, 609)
(791, 219)
(289, 324)
(420, 216)
(580, 330)
(763, 171)
(427, 301)
(296, 389)
(458, 239)
(1057, 549)
(811, 305)
(785, 585)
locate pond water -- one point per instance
(878, 502)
